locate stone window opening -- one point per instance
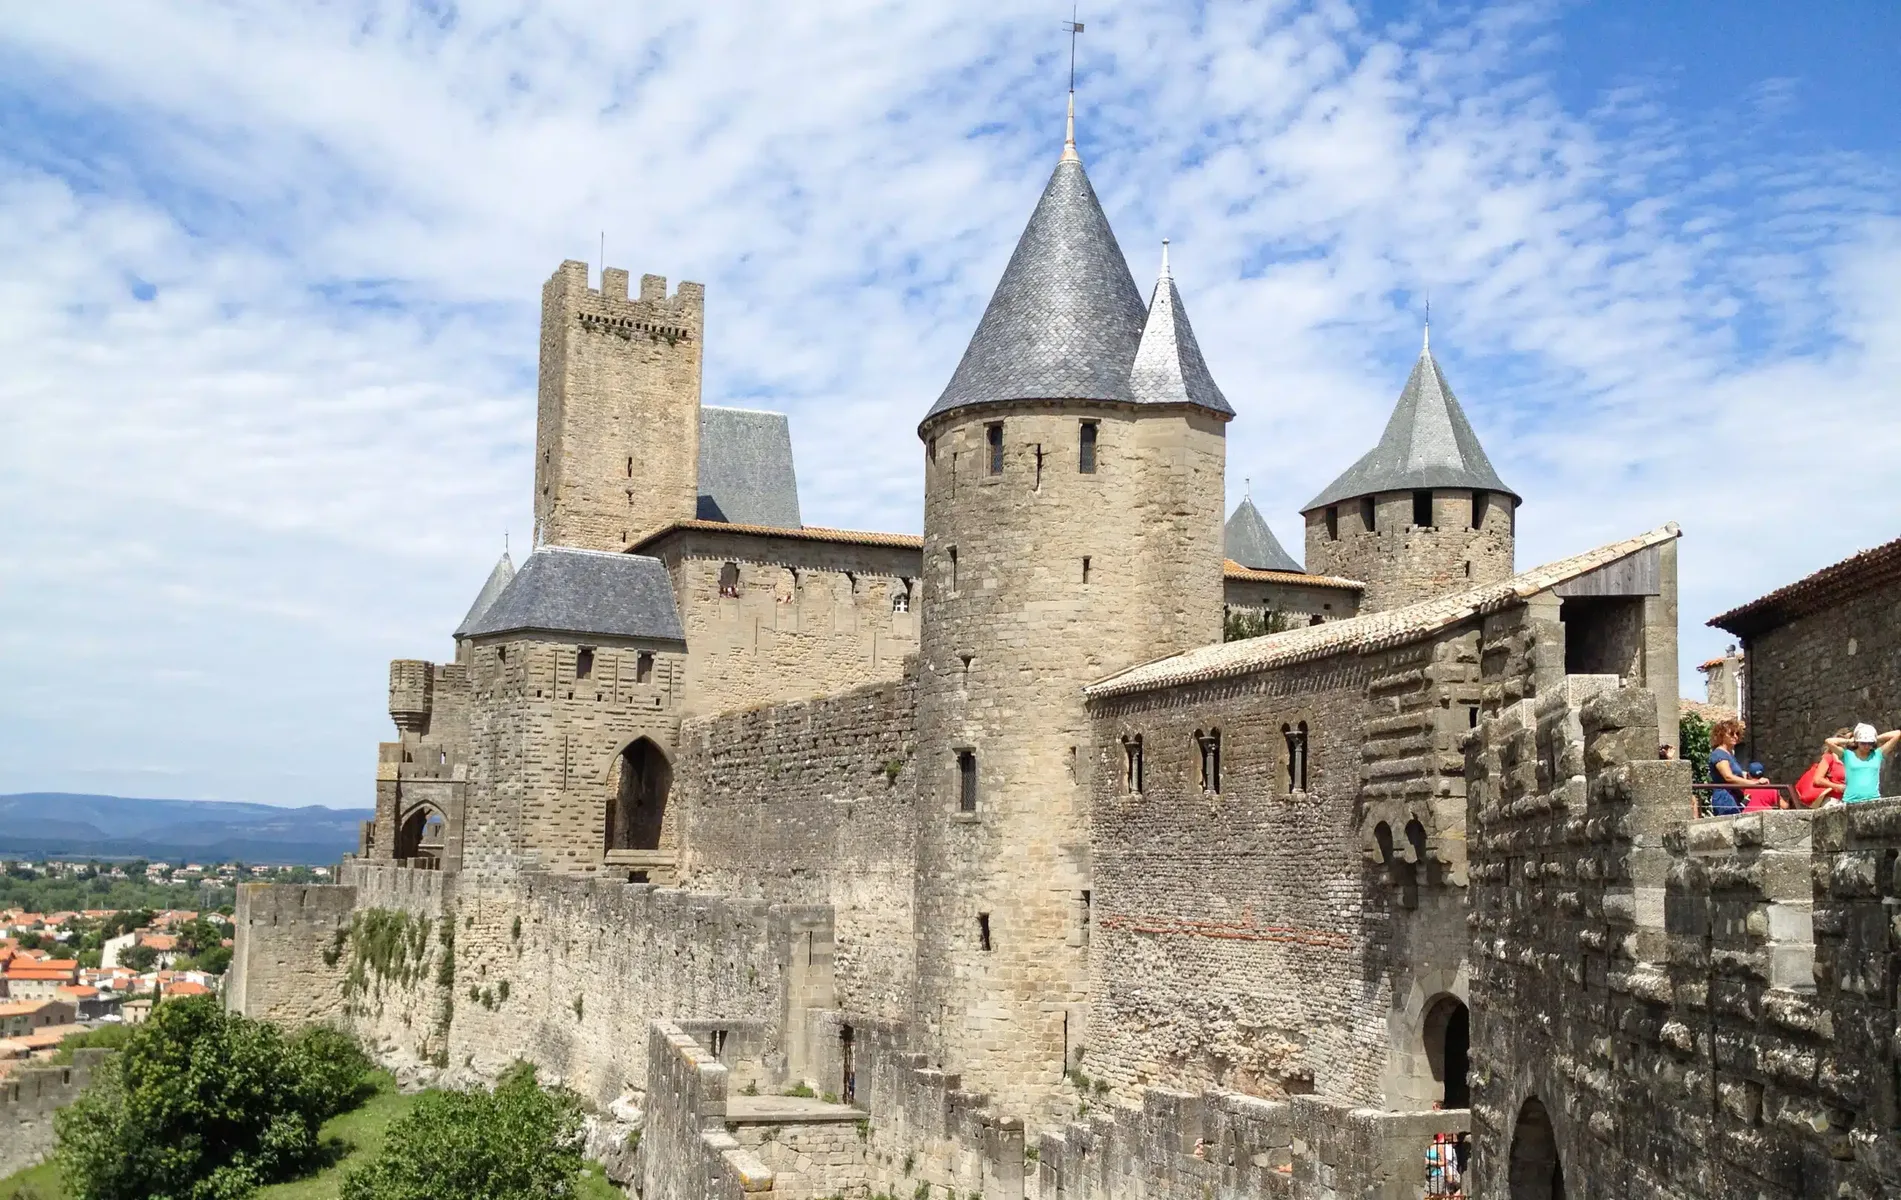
(1422, 510)
(1369, 513)
(1085, 568)
(930, 449)
(993, 437)
(1479, 500)
(1447, 1033)
(983, 931)
(901, 598)
(1132, 763)
(1038, 485)
(1296, 736)
(1471, 716)
(643, 667)
(1086, 914)
(967, 781)
(630, 467)
(965, 660)
(1534, 1171)
(953, 566)
(637, 810)
(1086, 447)
(1468, 568)
(501, 654)
(584, 662)
(729, 579)
(716, 1042)
(1209, 744)
(1333, 522)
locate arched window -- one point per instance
(901, 596)
(729, 580)
(637, 811)
(420, 838)
(584, 662)
(1296, 736)
(1209, 745)
(1132, 763)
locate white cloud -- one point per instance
(270, 275)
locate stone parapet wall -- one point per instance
(28, 1100)
(283, 966)
(1643, 985)
(815, 803)
(686, 1152)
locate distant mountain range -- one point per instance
(63, 825)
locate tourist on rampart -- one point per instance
(1862, 760)
(1724, 768)
(1758, 799)
(1822, 782)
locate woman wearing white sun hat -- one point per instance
(1862, 759)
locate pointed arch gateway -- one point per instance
(637, 808)
(420, 836)
(1535, 1172)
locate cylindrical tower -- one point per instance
(1423, 513)
(1072, 528)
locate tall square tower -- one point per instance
(617, 439)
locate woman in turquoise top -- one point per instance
(1862, 760)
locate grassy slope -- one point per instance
(358, 1134)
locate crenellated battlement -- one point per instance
(612, 309)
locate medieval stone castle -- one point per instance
(989, 846)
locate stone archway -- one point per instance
(1535, 1172)
(420, 837)
(1447, 1032)
(637, 811)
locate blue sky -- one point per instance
(268, 277)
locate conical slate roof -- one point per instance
(1248, 541)
(498, 580)
(1168, 366)
(1065, 319)
(1427, 444)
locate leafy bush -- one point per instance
(1693, 739)
(204, 1105)
(105, 1037)
(1240, 624)
(138, 958)
(518, 1142)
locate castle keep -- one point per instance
(1039, 885)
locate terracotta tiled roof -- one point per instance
(187, 988)
(1234, 570)
(159, 941)
(1871, 569)
(1365, 634)
(810, 533)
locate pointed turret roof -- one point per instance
(498, 580)
(1251, 543)
(1428, 443)
(1168, 366)
(1066, 316)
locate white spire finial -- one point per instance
(1164, 258)
(1425, 338)
(1069, 133)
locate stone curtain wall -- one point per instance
(815, 803)
(686, 1152)
(568, 972)
(1819, 672)
(28, 1100)
(1255, 939)
(279, 970)
(1648, 980)
(1179, 1146)
(810, 618)
(401, 1000)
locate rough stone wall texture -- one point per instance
(686, 1152)
(1261, 938)
(278, 969)
(1018, 626)
(1183, 1146)
(927, 1134)
(1822, 671)
(806, 618)
(568, 972)
(617, 446)
(815, 803)
(1696, 1008)
(547, 749)
(1300, 604)
(1401, 562)
(29, 1098)
(402, 1009)
(809, 1160)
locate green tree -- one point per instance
(519, 1142)
(139, 958)
(204, 1105)
(1693, 739)
(1237, 624)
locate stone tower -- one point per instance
(1072, 527)
(1421, 514)
(617, 433)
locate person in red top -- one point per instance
(1757, 799)
(1823, 781)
